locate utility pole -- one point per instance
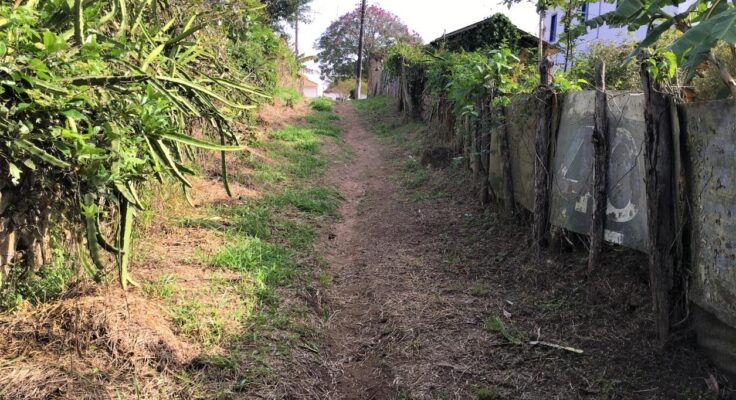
(296, 31)
(360, 51)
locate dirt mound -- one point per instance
(86, 348)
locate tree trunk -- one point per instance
(600, 168)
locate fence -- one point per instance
(669, 187)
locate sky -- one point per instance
(429, 18)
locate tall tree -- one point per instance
(288, 11)
(338, 45)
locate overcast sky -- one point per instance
(430, 18)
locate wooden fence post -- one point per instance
(600, 168)
(542, 150)
(505, 148)
(661, 199)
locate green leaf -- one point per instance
(205, 91)
(40, 153)
(200, 143)
(707, 33)
(3, 49)
(15, 173)
(152, 56)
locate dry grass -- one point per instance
(94, 346)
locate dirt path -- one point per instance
(361, 323)
(437, 298)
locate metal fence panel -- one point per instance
(711, 140)
(572, 168)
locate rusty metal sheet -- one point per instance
(523, 114)
(572, 168)
(711, 140)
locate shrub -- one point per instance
(321, 104)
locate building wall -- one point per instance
(310, 91)
(604, 34)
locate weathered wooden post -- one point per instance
(600, 168)
(508, 180)
(661, 200)
(542, 149)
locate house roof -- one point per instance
(307, 81)
(526, 39)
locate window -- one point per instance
(584, 11)
(553, 28)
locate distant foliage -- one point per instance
(338, 45)
(287, 10)
(620, 74)
(258, 51)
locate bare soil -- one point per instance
(439, 299)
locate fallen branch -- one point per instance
(555, 346)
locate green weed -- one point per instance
(321, 104)
(487, 393)
(44, 285)
(288, 95)
(495, 324)
(480, 291)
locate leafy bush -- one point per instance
(620, 74)
(321, 104)
(96, 101)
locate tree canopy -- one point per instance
(338, 45)
(288, 10)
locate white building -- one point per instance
(606, 34)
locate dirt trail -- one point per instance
(437, 298)
(389, 320)
(361, 320)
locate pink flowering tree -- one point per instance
(338, 45)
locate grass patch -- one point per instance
(269, 264)
(323, 123)
(312, 200)
(321, 104)
(163, 287)
(377, 105)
